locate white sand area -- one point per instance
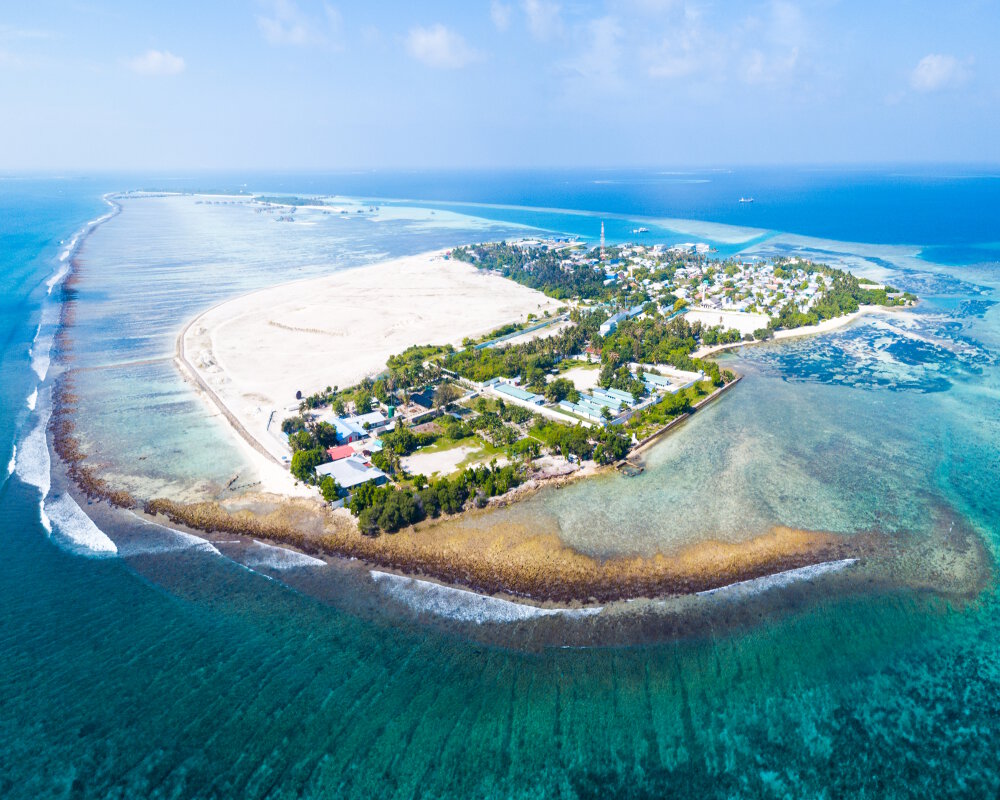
(583, 378)
(251, 354)
(442, 462)
(742, 321)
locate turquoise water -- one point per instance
(171, 671)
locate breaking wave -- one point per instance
(268, 556)
(464, 605)
(74, 529)
(32, 462)
(749, 588)
(162, 539)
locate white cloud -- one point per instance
(686, 50)
(934, 72)
(598, 61)
(156, 62)
(439, 47)
(500, 14)
(284, 24)
(10, 32)
(760, 68)
(544, 20)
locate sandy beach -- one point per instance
(250, 355)
(825, 326)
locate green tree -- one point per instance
(326, 434)
(304, 463)
(301, 440)
(559, 389)
(329, 489)
(445, 394)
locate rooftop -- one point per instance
(351, 472)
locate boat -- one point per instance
(746, 199)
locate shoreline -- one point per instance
(537, 567)
(826, 326)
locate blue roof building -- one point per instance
(519, 394)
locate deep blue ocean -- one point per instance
(173, 675)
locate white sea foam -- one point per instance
(40, 360)
(71, 527)
(71, 246)
(12, 463)
(61, 273)
(266, 556)
(744, 589)
(32, 462)
(163, 539)
(42, 344)
(32, 399)
(464, 605)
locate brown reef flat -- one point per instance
(512, 560)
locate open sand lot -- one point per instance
(742, 321)
(251, 354)
(583, 378)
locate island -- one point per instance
(544, 361)
(484, 416)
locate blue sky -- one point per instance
(300, 84)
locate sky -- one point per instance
(317, 84)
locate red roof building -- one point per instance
(339, 452)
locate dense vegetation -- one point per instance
(605, 445)
(388, 508)
(538, 268)
(842, 295)
(531, 360)
(656, 339)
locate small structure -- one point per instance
(339, 452)
(424, 399)
(372, 421)
(348, 431)
(519, 394)
(611, 324)
(352, 472)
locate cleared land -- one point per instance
(254, 352)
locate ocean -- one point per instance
(144, 663)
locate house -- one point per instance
(352, 472)
(610, 325)
(348, 431)
(424, 399)
(339, 452)
(372, 421)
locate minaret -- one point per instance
(602, 240)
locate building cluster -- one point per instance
(685, 271)
(357, 440)
(754, 286)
